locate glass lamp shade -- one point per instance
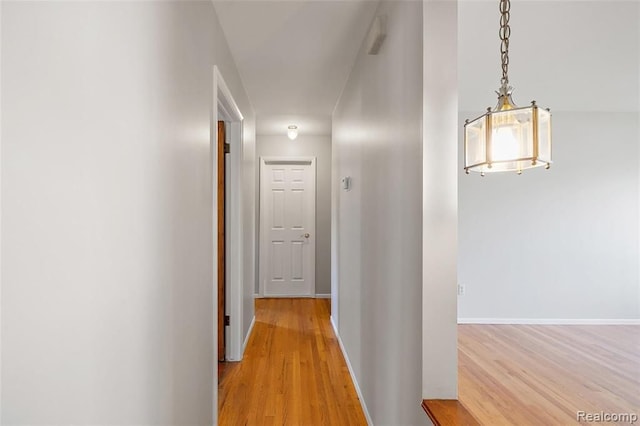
(292, 132)
(508, 139)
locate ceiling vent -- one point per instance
(376, 35)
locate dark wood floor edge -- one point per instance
(448, 412)
(427, 410)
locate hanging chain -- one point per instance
(505, 32)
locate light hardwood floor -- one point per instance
(293, 371)
(543, 375)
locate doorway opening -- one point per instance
(226, 129)
(223, 149)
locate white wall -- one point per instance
(440, 200)
(249, 211)
(320, 148)
(1, 212)
(561, 244)
(107, 278)
(377, 141)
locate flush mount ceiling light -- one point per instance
(507, 138)
(292, 132)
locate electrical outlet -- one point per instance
(461, 289)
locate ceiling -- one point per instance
(308, 125)
(567, 55)
(294, 57)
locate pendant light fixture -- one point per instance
(507, 138)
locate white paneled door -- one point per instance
(287, 227)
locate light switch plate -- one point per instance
(346, 183)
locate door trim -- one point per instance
(263, 236)
(224, 108)
(222, 241)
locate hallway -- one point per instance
(293, 371)
(112, 297)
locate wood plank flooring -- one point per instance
(293, 371)
(542, 375)
(447, 412)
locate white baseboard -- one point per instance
(246, 338)
(536, 321)
(353, 376)
(317, 296)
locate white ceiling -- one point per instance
(568, 56)
(294, 57)
(308, 125)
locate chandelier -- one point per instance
(507, 138)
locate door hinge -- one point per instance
(227, 320)
(227, 148)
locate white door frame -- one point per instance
(263, 231)
(224, 108)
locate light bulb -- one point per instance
(292, 132)
(504, 145)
